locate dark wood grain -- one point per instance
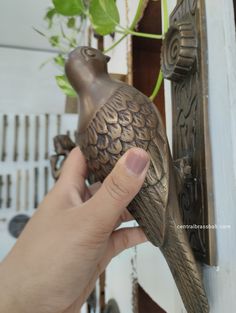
(146, 303)
(146, 55)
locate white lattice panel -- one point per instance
(26, 143)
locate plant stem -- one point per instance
(132, 26)
(165, 15)
(137, 15)
(45, 62)
(165, 28)
(84, 6)
(157, 86)
(139, 34)
(115, 44)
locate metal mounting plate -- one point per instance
(184, 62)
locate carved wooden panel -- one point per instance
(184, 62)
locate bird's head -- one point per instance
(85, 64)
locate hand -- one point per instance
(71, 238)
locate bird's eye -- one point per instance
(90, 53)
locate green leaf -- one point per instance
(59, 60)
(71, 22)
(49, 16)
(54, 40)
(69, 7)
(73, 43)
(104, 16)
(65, 86)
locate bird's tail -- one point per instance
(180, 259)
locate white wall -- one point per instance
(119, 275)
(24, 86)
(17, 19)
(221, 281)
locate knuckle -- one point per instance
(115, 188)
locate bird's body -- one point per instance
(121, 117)
(128, 119)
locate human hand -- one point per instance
(71, 238)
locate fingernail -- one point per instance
(136, 161)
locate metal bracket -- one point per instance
(184, 62)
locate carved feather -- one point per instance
(129, 119)
(184, 269)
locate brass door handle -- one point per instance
(116, 118)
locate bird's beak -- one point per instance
(107, 58)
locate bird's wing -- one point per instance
(129, 120)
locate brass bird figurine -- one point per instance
(113, 117)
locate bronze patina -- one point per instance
(113, 117)
(184, 62)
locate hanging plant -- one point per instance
(103, 16)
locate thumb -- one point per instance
(120, 187)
